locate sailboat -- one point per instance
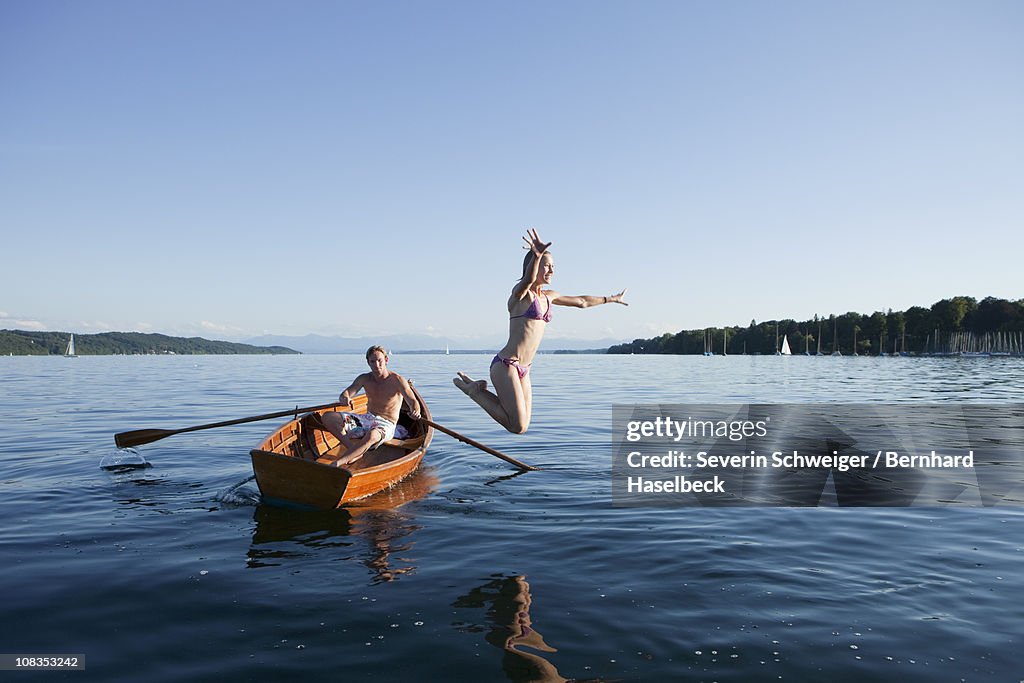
(785, 346)
(69, 352)
(446, 351)
(835, 338)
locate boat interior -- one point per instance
(310, 442)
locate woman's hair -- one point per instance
(527, 262)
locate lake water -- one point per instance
(178, 572)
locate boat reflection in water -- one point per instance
(282, 534)
(511, 629)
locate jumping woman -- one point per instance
(529, 309)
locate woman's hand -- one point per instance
(533, 242)
(617, 298)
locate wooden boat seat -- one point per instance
(411, 444)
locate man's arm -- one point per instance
(353, 389)
(410, 397)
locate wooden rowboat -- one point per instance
(293, 466)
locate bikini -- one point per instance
(532, 313)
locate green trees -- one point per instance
(916, 330)
(950, 313)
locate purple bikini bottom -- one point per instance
(512, 363)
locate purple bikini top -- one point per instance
(533, 312)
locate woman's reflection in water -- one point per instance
(511, 629)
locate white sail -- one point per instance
(785, 347)
(70, 351)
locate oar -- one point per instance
(476, 444)
(141, 436)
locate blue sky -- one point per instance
(230, 169)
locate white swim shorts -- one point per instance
(357, 424)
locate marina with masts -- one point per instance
(936, 344)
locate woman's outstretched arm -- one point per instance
(586, 301)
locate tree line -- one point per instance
(916, 330)
(24, 343)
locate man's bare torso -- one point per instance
(384, 396)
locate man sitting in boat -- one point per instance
(385, 391)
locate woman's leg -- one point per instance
(527, 399)
(508, 405)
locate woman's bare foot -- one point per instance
(468, 385)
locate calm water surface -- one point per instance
(178, 572)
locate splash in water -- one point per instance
(240, 494)
(123, 460)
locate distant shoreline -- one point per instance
(31, 343)
(27, 343)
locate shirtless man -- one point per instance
(385, 391)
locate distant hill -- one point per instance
(23, 343)
(315, 343)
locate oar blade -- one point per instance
(141, 436)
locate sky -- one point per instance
(235, 168)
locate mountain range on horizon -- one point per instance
(316, 343)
